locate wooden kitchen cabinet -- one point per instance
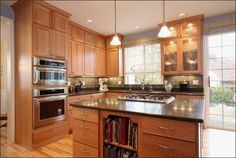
(112, 62)
(69, 32)
(69, 57)
(42, 14)
(77, 34)
(59, 22)
(42, 40)
(191, 60)
(86, 132)
(100, 42)
(190, 28)
(77, 58)
(100, 62)
(89, 38)
(59, 45)
(182, 52)
(89, 60)
(170, 57)
(189, 96)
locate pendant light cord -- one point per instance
(115, 15)
(164, 17)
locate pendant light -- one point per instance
(115, 40)
(164, 31)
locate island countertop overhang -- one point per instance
(190, 110)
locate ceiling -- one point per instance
(144, 14)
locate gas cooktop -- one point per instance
(165, 99)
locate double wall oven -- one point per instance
(49, 91)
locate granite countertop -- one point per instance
(83, 92)
(191, 110)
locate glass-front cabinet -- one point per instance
(170, 56)
(181, 53)
(191, 61)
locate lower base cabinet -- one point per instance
(156, 137)
(157, 146)
(81, 150)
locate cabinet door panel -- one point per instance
(41, 15)
(89, 38)
(60, 22)
(69, 32)
(41, 40)
(83, 151)
(112, 68)
(100, 62)
(191, 56)
(78, 58)
(191, 28)
(100, 43)
(170, 56)
(89, 60)
(59, 45)
(78, 34)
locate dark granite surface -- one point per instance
(191, 110)
(193, 93)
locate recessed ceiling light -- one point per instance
(181, 15)
(89, 21)
(136, 27)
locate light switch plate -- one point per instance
(195, 82)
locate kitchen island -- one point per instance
(151, 129)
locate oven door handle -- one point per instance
(51, 69)
(51, 98)
(36, 76)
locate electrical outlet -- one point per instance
(119, 82)
(195, 82)
(83, 83)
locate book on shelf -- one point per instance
(121, 130)
(116, 152)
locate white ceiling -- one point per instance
(145, 14)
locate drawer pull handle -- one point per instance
(166, 147)
(166, 128)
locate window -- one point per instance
(143, 64)
(221, 69)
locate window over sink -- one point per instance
(143, 64)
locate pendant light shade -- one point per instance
(164, 31)
(115, 40)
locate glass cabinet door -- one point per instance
(174, 29)
(191, 28)
(190, 52)
(169, 56)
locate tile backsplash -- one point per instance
(195, 81)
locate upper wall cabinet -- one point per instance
(77, 34)
(89, 38)
(100, 42)
(41, 14)
(181, 53)
(59, 45)
(59, 22)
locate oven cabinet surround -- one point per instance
(86, 52)
(157, 137)
(182, 52)
(40, 30)
(49, 31)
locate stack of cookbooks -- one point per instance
(116, 152)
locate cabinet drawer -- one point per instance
(156, 146)
(170, 128)
(80, 150)
(189, 96)
(85, 114)
(85, 132)
(48, 132)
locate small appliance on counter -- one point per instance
(103, 82)
(78, 86)
(184, 86)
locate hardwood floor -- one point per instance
(216, 143)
